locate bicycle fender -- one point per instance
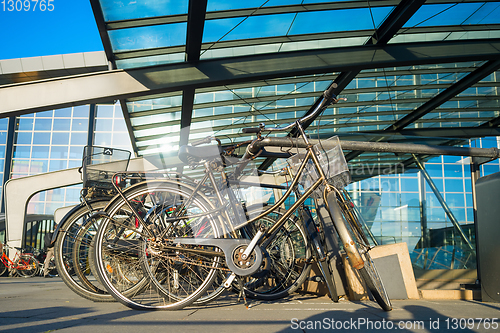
(340, 224)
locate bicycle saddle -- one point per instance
(195, 154)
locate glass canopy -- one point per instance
(403, 103)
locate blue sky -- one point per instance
(69, 28)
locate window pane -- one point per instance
(43, 124)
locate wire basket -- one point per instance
(100, 163)
(332, 161)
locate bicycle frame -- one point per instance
(6, 261)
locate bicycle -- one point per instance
(24, 263)
(183, 236)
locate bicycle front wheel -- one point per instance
(351, 234)
(177, 277)
(372, 279)
(287, 260)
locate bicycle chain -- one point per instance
(200, 264)
(191, 262)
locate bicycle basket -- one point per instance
(332, 161)
(100, 163)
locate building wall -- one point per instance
(54, 140)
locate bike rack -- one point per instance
(19, 191)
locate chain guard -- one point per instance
(229, 247)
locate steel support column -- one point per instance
(7, 164)
(423, 213)
(91, 126)
(443, 203)
(475, 173)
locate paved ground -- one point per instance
(43, 305)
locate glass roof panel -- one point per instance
(339, 20)
(244, 28)
(488, 13)
(428, 37)
(115, 10)
(156, 119)
(282, 47)
(150, 61)
(455, 14)
(152, 104)
(148, 37)
(215, 5)
(293, 23)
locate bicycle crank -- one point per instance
(234, 252)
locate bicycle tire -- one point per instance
(63, 249)
(118, 231)
(372, 279)
(29, 264)
(290, 265)
(83, 255)
(351, 235)
(3, 269)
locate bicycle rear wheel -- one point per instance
(27, 265)
(3, 269)
(287, 260)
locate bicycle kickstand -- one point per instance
(242, 292)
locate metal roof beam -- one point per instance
(101, 26)
(196, 22)
(186, 115)
(121, 84)
(398, 17)
(442, 132)
(128, 123)
(195, 25)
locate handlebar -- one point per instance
(198, 142)
(251, 130)
(328, 98)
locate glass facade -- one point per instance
(54, 140)
(403, 208)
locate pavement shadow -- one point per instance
(55, 318)
(413, 318)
